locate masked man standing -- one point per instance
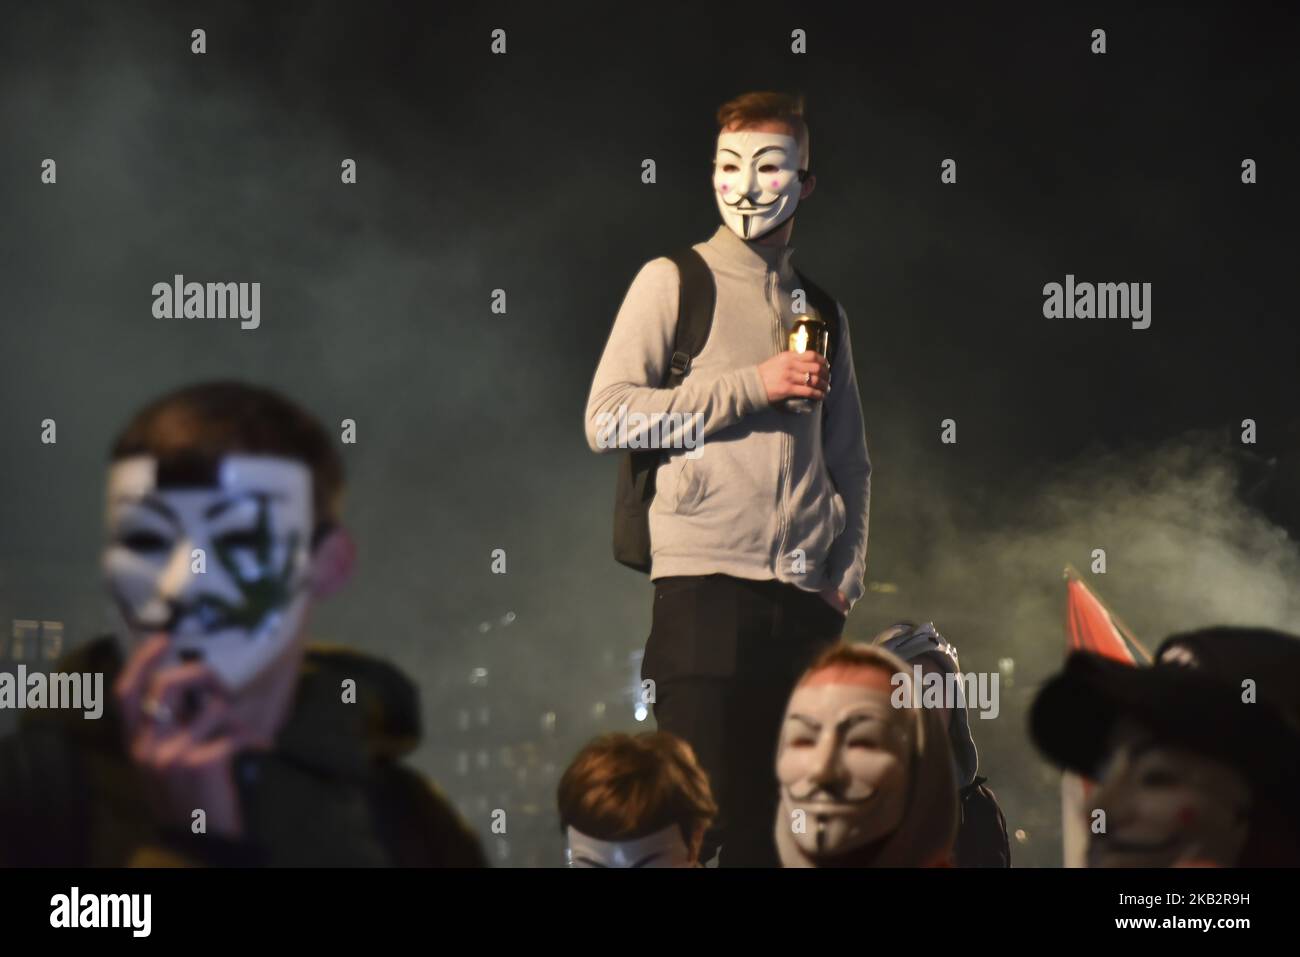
(229, 740)
(758, 528)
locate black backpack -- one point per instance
(982, 829)
(636, 469)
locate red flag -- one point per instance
(1089, 626)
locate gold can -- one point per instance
(810, 332)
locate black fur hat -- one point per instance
(1193, 696)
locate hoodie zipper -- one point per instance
(783, 473)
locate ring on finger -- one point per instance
(807, 378)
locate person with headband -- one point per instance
(635, 801)
(228, 739)
(864, 772)
(982, 831)
(756, 535)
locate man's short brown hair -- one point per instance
(202, 423)
(621, 787)
(749, 109)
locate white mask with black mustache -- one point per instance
(843, 770)
(756, 178)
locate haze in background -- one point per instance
(522, 173)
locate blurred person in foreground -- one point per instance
(1195, 759)
(228, 739)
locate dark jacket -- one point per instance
(333, 792)
(982, 833)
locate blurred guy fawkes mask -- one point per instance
(757, 180)
(843, 761)
(664, 848)
(239, 605)
(1166, 805)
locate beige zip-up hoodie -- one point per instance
(767, 493)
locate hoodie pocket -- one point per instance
(689, 484)
(839, 514)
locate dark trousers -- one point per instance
(724, 654)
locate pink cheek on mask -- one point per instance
(775, 184)
(723, 189)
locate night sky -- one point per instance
(523, 172)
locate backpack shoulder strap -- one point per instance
(695, 300)
(824, 305)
